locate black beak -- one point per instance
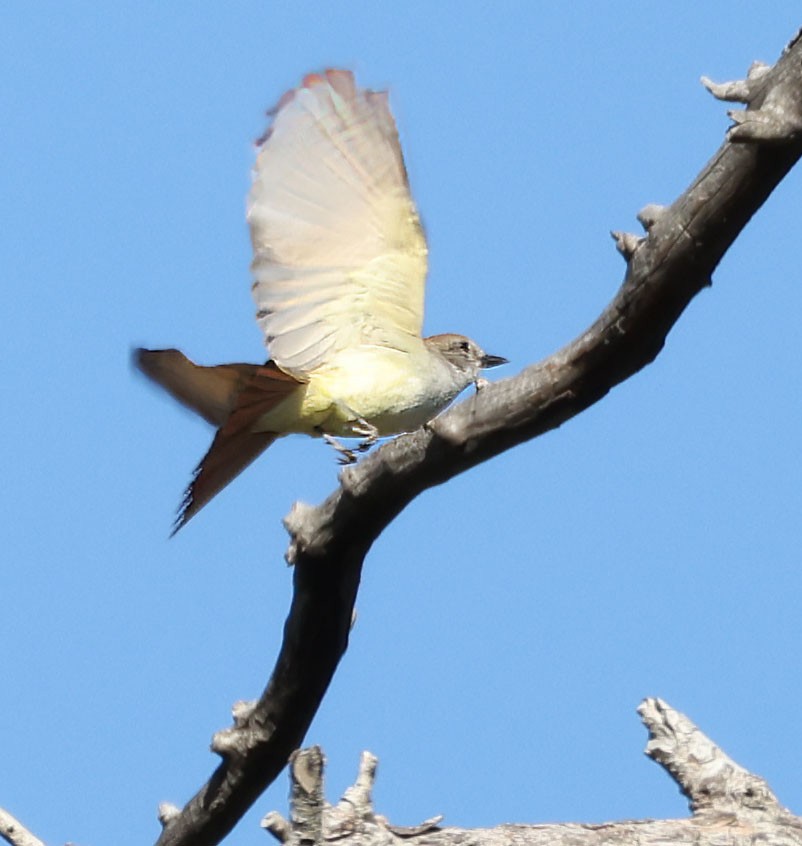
(492, 361)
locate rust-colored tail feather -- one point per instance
(208, 391)
(231, 396)
(229, 454)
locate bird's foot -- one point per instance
(347, 455)
(369, 433)
(479, 383)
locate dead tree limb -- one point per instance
(728, 804)
(15, 833)
(666, 268)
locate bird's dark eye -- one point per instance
(464, 346)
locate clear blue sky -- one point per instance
(510, 621)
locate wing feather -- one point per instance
(339, 253)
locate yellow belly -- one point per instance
(392, 390)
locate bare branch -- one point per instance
(626, 243)
(649, 215)
(15, 833)
(774, 98)
(665, 270)
(306, 795)
(277, 826)
(711, 780)
(359, 796)
(167, 813)
(725, 808)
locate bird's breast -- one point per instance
(396, 391)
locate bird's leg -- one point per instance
(358, 427)
(369, 433)
(479, 383)
(346, 455)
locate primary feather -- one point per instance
(339, 253)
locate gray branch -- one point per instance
(729, 805)
(774, 113)
(711, 780)
(665, 269)
(15, 833)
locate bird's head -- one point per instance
(465, 357)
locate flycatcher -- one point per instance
(339, 262)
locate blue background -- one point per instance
(510, 621)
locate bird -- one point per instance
(339, 269)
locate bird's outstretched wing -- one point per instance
(339, 253)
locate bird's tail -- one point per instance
(209, 391)
(232, 397)
(230, 453)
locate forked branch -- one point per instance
(729, 804)
(666, 268)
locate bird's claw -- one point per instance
(368, 431)
(348, 455)
(345, 455)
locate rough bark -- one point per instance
(15, 833)
(665, 269)
(729, 804)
